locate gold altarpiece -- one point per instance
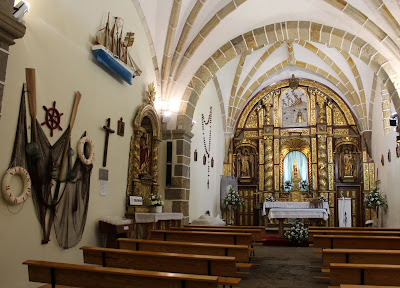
(305, 116)
(143, 154)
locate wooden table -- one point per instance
(115, 231)
(282, 213)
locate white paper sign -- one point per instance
(135, 200)
(103, 188)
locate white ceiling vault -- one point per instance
(244, 46)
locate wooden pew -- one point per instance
(366, 286)
(256, 233)
(229, 227)
(202, 237)
(356, 242)
(222, 266)
(240, 252)
(360, 256)
(311, 233)
(354, 228)
(106, 277)
(365, 274)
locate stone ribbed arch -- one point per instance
(367, 23)
(169, 40)
(221, 102)
(184, 37)
(204, 32)
(286, 31)
(348, 90)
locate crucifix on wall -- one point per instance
(108, 131)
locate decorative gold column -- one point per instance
(322, 163)
(268, 119)
(154, 164)
(268, 164)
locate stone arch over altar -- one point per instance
(306, 117)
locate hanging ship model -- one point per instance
(111, 50)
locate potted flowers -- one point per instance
(287, 186)
(232, 201)
(303, 185)
(270, 199)
(297, 233)
(374, 199)
(156, 202)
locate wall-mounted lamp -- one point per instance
(20, 10)
(166, 108)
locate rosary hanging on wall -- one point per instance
(207, 149)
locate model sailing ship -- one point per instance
(111, 50)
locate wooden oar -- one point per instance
(31, 86)
(60, 175)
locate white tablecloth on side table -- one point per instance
(297, 213)
(155, 217)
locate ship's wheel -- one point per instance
(52, 118)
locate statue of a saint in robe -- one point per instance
(296, 176)
(348, 164)
(144, 156)
(245, 166)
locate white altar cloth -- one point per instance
(297, 213)
(155, 217)
(290, 205)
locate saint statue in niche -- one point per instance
(144, 155)
(296, 176)
(245, 164)
(299, 118)
(348, 160)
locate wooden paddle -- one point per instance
(31, 87)
(60, 175)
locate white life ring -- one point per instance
(81, 152)
(6, 188)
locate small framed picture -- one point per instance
(195, 155)
(121, 128)
(204, 159)
(383, 160)
(389, 156)
(397, 151)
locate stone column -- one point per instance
(10, 29)
(179, 191)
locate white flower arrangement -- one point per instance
(297, 232)
(287, 186)
(303, 185)
(233, 199)
(270, 199)
(322, 198)
(375, 199)
(156, 200)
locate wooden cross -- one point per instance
(108, 132)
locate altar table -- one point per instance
(290, 205)
(282, 213)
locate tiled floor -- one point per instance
(284, 267)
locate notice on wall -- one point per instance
(103, 188)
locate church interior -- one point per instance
(117, 111)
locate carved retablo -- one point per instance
(143, 156)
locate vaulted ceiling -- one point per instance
(243, 46)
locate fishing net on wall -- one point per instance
(68, 205)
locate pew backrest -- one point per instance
(364, 274)
(161, 261)
(240, 252)
(360, 256)
(230, 238)
(312, 233)
(356, 242)
(256, 234)
(91, 276)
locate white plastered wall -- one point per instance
(57, 44)
(387, 173)
(201, 198)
